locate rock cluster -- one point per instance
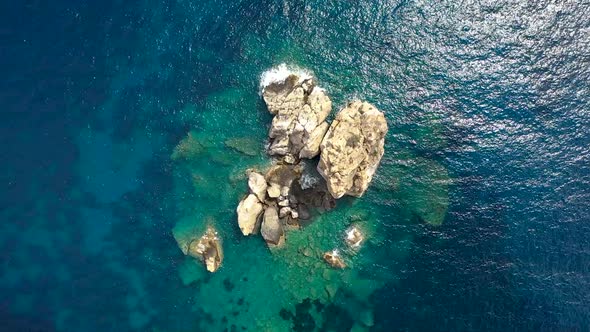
(300, 109)
(271, 206)
(350, 150)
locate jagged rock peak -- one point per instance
(300, 109)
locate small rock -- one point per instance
(294, 214)
(328, 203)
(307, 252)
(207, 249)
(284, 202)
(333, 258)
(282, 174)
(312, 146)
(284, 211)
(285, 191)
(289, 159)
(313, 293)
(354, 237)
(291, 222)
(274, 190)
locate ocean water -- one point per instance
(126, 124)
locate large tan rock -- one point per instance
(272, 230)
(207, 249)
(249, 211)
(299, 107)
(257, 185)
(352, 149)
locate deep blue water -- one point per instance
(94, 97)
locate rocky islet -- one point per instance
(285, 195)
(350, 150)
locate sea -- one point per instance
(127, 126)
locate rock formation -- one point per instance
(292, 189)
(207, 249)
(352, 149)
(300, 109)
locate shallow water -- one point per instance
(477, 217)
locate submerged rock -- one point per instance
(367, 317)
(249, 211)
(352, 149)
(333, 258)
(300, 109)
(425, 189)
(188, 148)
(207, 249)
(245, 145)
(272, 230)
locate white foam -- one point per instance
(280, 73)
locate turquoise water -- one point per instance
(126, 124)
